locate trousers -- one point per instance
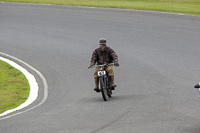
(109, 70)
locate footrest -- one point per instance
(113, 87)
(197, 86)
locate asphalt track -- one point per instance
(159, 65)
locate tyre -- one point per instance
(103, 89)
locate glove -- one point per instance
(91, 65)
(116, 64)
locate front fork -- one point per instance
(103, 79)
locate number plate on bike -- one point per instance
(101, 73)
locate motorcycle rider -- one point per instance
(102, 55)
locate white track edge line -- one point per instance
(40, 75)
(137, 10)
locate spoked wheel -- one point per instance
(104, 91)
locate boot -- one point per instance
(96, 79)
(112, 83)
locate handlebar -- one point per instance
(109, 64)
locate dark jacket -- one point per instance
(103, 56)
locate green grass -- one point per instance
(180, 6)
(14, 87)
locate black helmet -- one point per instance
(102, 41)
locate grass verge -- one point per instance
(180, 6)
(14, 87)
